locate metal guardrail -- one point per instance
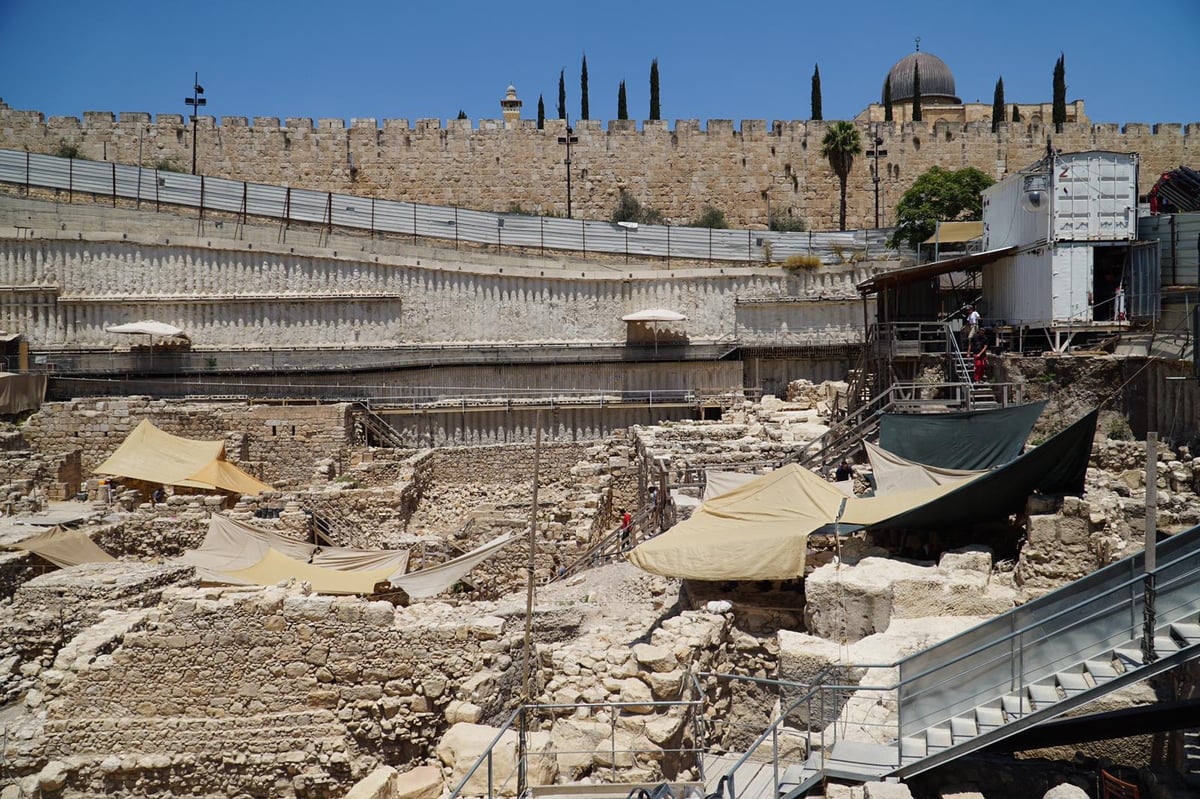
(526, 717)
(1004, 655)
(332, 210)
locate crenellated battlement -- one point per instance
(748, 169)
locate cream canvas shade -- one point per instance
(64, 548)
(760, 530)
(275, 567)
(230, 546)
(151, 455)
(654, 315)
(895, 474)
(436, 579)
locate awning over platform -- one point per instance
(912, 274)
(955, 233)
(148, 328)
(654, 315)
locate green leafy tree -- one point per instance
(583, 90)
(1059, 112)
(541, 113)
(916, 100)
(1016, 117)
(562, 95)
(622, 105)
(887, 99)
(816, 92)
(939, 195)
(710, 217)
(998, 105)
(841, 144)
(655, 110)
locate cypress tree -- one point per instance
(622, 108)
(583, 92)
(541, 113)
(655, 110)
(998, 105)
(887, 99)
(1016, 113)
(562, 96)
(816, 92)
(916, 101)
(1059, 113)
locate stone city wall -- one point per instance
(747, 170)
(281, 445)
(228, 294)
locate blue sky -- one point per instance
(747, 60)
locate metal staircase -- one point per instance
(1009, 674)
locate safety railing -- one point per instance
(623, 749)
(1005, 655)
(330, 210)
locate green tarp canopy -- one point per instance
(1057, 466)
(960, 439)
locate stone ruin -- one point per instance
(131, 679)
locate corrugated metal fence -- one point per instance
(330, 209)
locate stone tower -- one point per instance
(511, 107)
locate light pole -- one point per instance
(875, 153)
(141, 131)
(568, 140)
(195, 101)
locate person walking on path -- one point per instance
(978, 350)
(626, 526)
(971, 324)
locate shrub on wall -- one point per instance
(710, 217)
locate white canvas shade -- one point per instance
(654, 315)
(148, 328)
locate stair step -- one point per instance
(1073, 682)
(1015, 706)
(912, 748)
(963, 728)
(1188, 632)
(1131, 654)
(1102, 671)
(1044, 695)
(989, 717)
(938, 738)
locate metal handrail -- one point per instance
(522, 712)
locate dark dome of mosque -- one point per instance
(937, 81)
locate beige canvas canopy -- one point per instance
(275, 567)
(894, 474)
(64, 548)
(436, 579)
(153, 456)
(231, 546)
(760, 530)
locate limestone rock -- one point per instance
(1065, 791)
(462, 745)
(654, 658)
(423, 782)
(886, 790)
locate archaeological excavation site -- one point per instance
(317, 495)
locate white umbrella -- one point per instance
(654, 315)
(148, 328)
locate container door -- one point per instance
(1095, 197)
(1142, 293)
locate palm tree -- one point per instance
(841, 143)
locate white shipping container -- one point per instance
(1089, 196)
(1042, 287)
(1095, 197)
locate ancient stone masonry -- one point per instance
(745, 170)
(280, 445)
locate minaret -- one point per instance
(511, 107)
